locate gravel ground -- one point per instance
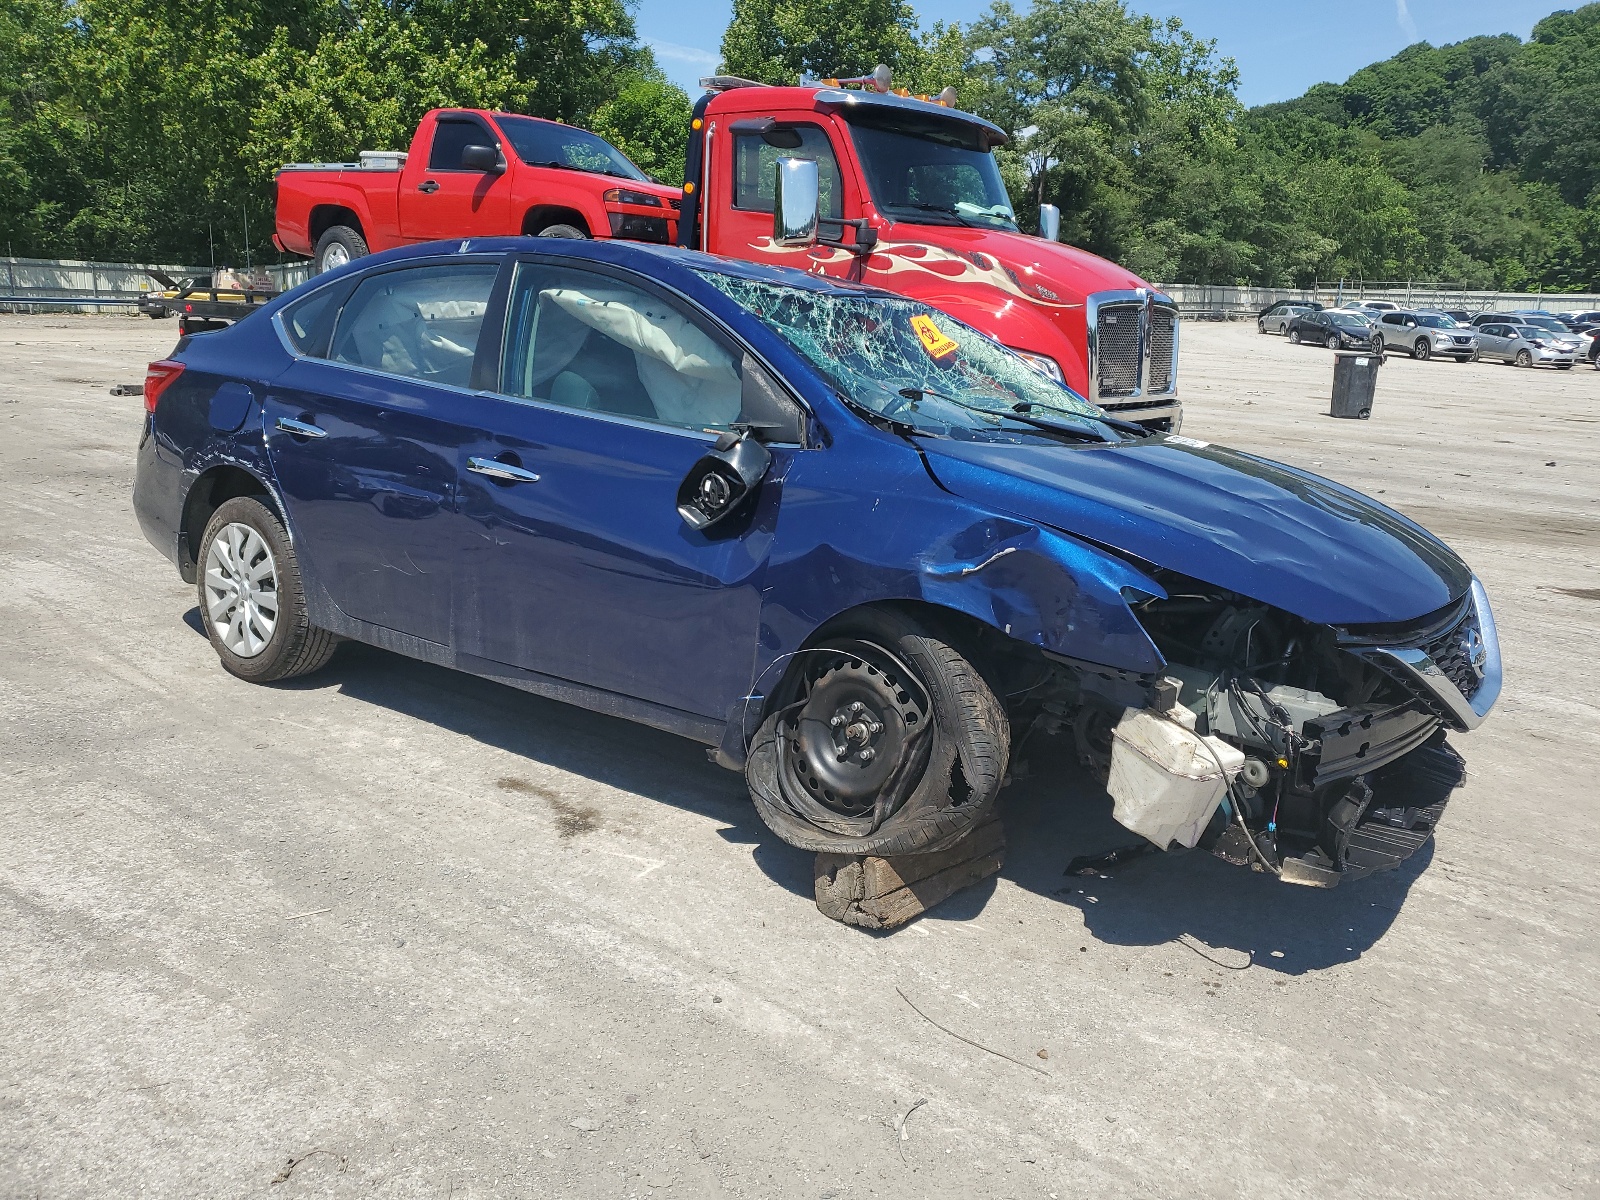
(396, 931)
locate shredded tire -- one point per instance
(960, 779)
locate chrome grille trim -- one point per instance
(1133, 346)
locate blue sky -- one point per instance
(1282, 46)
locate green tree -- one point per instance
(648, 120)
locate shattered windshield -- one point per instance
(914, 365)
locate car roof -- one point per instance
(670, 264)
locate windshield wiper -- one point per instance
(941, 209)
(1076, 433)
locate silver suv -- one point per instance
(1425, 334)
(1526, 345)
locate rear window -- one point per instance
(309, 321)
(422, 322)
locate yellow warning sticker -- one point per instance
(934, 342)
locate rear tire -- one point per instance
(251, 600)
(562, 231)
(337, 246)
(940, 743)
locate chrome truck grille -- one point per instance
(1133, 356)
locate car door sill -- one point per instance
(705, 730)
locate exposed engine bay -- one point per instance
(1316, 753)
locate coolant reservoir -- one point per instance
(1166, 779)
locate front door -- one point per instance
(743, 176)
(450, 200)
(577, 564)
(363, 443)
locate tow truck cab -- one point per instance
(911, 200)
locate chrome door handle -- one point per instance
(300, 428)
(504, 472)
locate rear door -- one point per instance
(1392, 327)
(576, 564)
(362, 435)
(447, 199)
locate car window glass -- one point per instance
(451, 137)
(582, 340)
(755, 166)
(1391, 319)
(309, 321)
(422, 322)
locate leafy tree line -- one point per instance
(150, 129)
(146, 129)
(1476, 163)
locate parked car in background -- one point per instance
(1509, 341)
(1336, 329)
(1369, 306)
(1588, 317)
(633, 478)
(1559, 328)
(1425, 334)
(1459, 315)
(1276, 318)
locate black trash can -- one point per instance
(1355, 379)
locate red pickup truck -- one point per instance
(470, 172)
(910, 199)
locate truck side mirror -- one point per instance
(1050, 222)
(796, 203)
(481, 158)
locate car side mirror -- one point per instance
(1050, 222)
(796, 203)
(481, 158)
(723, 483)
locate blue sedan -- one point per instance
(856, 548)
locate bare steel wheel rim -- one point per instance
(241, 583)
(336, 255)
(856, 742)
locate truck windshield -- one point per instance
(930, 169)
(914, 365)
(547, 144)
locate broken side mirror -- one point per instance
(1050, 222)
(481, 158)
(796, 203)
(721, 485)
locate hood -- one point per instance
(1283, 537)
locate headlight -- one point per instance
(626, 196)
(1042, 364)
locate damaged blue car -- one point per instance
(857, 549)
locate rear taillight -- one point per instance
(158, 377)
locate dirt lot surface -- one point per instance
(395, 931)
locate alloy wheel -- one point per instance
(241, 582)
(336, 255)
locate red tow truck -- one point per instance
(470, 173)
(909, 199)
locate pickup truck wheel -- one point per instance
(251, 601)
(887, 742)
(561, 231)
(339, 245)
(1421, 350)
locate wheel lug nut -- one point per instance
(836, 722)
(874, 728)
(868, 754)
(856, 707)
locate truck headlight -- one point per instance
(1042, 364)
(628, 196)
